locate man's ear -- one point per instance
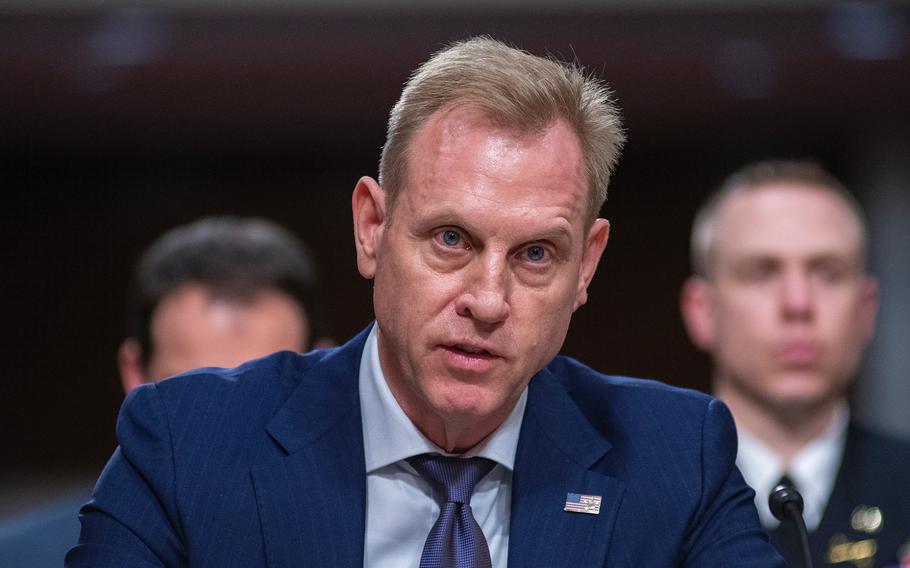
(368, 207)
(869, 307)
(697, 309)
(595, 242)
(129, 361)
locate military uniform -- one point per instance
(866, 523)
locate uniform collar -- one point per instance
(813, 469)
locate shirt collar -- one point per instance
(813, 469)
(390, 436)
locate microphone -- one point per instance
(785, 502)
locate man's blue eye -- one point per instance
(451, 238)
(536, 253)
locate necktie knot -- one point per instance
(454, 478)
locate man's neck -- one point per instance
(785, 430)
(456, 435)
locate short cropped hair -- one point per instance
(515, 90)
(233, 257)
(758, 175)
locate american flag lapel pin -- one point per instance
(578, 503)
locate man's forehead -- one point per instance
(786, 218)
(468, 114)
(449, 131)
(196, 326)
(456, 122)
(441, 141)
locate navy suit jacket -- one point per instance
(263, 465)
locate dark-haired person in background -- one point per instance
(216, 293)
(213, 293)
(448, 433)
(782, 301)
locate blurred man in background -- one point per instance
(214, 293)
(782, 301)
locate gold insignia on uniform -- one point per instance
(867, 519)
(861, 553)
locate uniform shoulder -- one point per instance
(877, 443)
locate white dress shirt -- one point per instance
(401, 508)
(813, 470)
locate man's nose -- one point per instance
(485, 296)
(797, 299)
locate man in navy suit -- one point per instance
(449, 432)
(782, 301)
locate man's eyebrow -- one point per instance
(442, 218)
(752, 258)
(557, 233)
(852, 262)
(560, 232)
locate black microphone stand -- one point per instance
(785, 502)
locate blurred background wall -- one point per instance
(119, 121)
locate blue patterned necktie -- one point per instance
(455, 541)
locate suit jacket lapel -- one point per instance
(556, 450)
(312, 501)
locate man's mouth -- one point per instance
(471, 350)
(799, 353)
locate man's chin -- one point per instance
(800, 403)
(464, 410)
(473, 404)
(801, 389)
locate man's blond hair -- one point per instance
(515, 90)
